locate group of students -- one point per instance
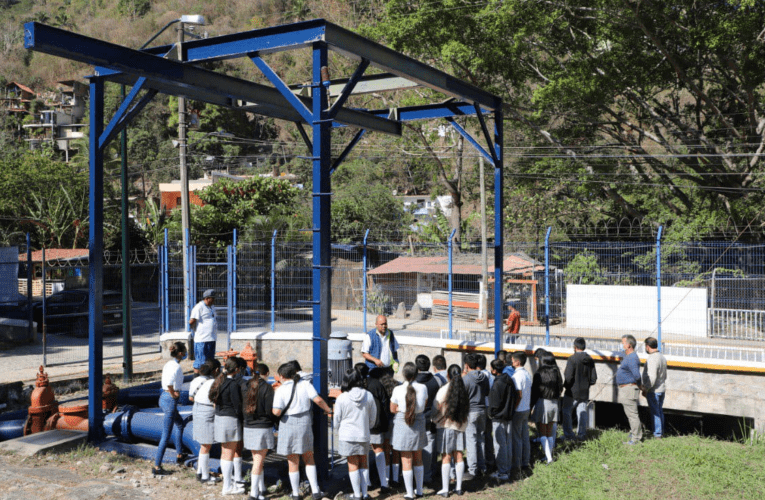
(449, 411)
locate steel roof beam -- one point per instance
(185, 79)
(341, 40)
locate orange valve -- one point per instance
(249, 355)
(110, 392)
(42, 405)
(70, 418)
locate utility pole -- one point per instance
(184, 187)
(484, 263)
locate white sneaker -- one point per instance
(236, 490)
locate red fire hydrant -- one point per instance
(42, 405)
(110, 392)
(250, 356)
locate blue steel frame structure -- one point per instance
(159, 69)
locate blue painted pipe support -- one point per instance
(364, 269)
(166, 291)
(498, 218)
(658, 284)
(273, 281)
(451, 277)
(547, 286)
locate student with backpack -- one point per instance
(292, 404)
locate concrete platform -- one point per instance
(45, 442)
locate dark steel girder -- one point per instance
(183, 79)
(340, 40)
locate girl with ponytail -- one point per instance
(407, 403)
(226, 394)
(452, 405)
(259, 426)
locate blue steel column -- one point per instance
(273, 281)
(229, 289)
(30, 315)
(658, 284)
(547, 286)
(322, 271)
(364, 270)
(96, 263)
(498, 236)
(451, 283)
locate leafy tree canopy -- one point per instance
(646, 109)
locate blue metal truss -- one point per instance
(147, 70)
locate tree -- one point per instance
(362, 200)
(237, 205)
(651, 110)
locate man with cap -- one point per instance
(203, 324)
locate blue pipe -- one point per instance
(364, 269)
(451, 237)
(11, 429)
(547, 286)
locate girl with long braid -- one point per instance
(407, 403)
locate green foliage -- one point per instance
(134, 8)
(584, 270)
(362, 200)
(241, 205)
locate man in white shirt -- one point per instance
(205, 327)
(653, 386)
(521, 445)
(380, 348)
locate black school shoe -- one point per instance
(159, 471)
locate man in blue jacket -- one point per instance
(380, 348)
(628, 379)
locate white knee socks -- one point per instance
(445, 470)
(255, 486)
(459, 470)
(295, 483)
(408, 480)
(313, 479)
(546, 445)
(419, 473)
(394, 468)
(355, 482)
(226, 468)
(238, 469)
(204, 466)
(382, 468)
(366, 483)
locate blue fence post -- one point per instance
(188, 287)
(233, 286)
(44, 313)
(229, 293)
(165, 284)
(364, 269)
(273, 281)
(161, 289)
(547, 286)
(451, 238)
(30, 313)
(658, 283)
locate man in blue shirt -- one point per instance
(628, 379)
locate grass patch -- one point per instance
(686, 467)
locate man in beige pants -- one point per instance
(628, 379)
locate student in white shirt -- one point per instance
(204, 416)
(172, 381)
(407, 403)
(292, 403)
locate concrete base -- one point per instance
(48, 441)
(17, 331)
